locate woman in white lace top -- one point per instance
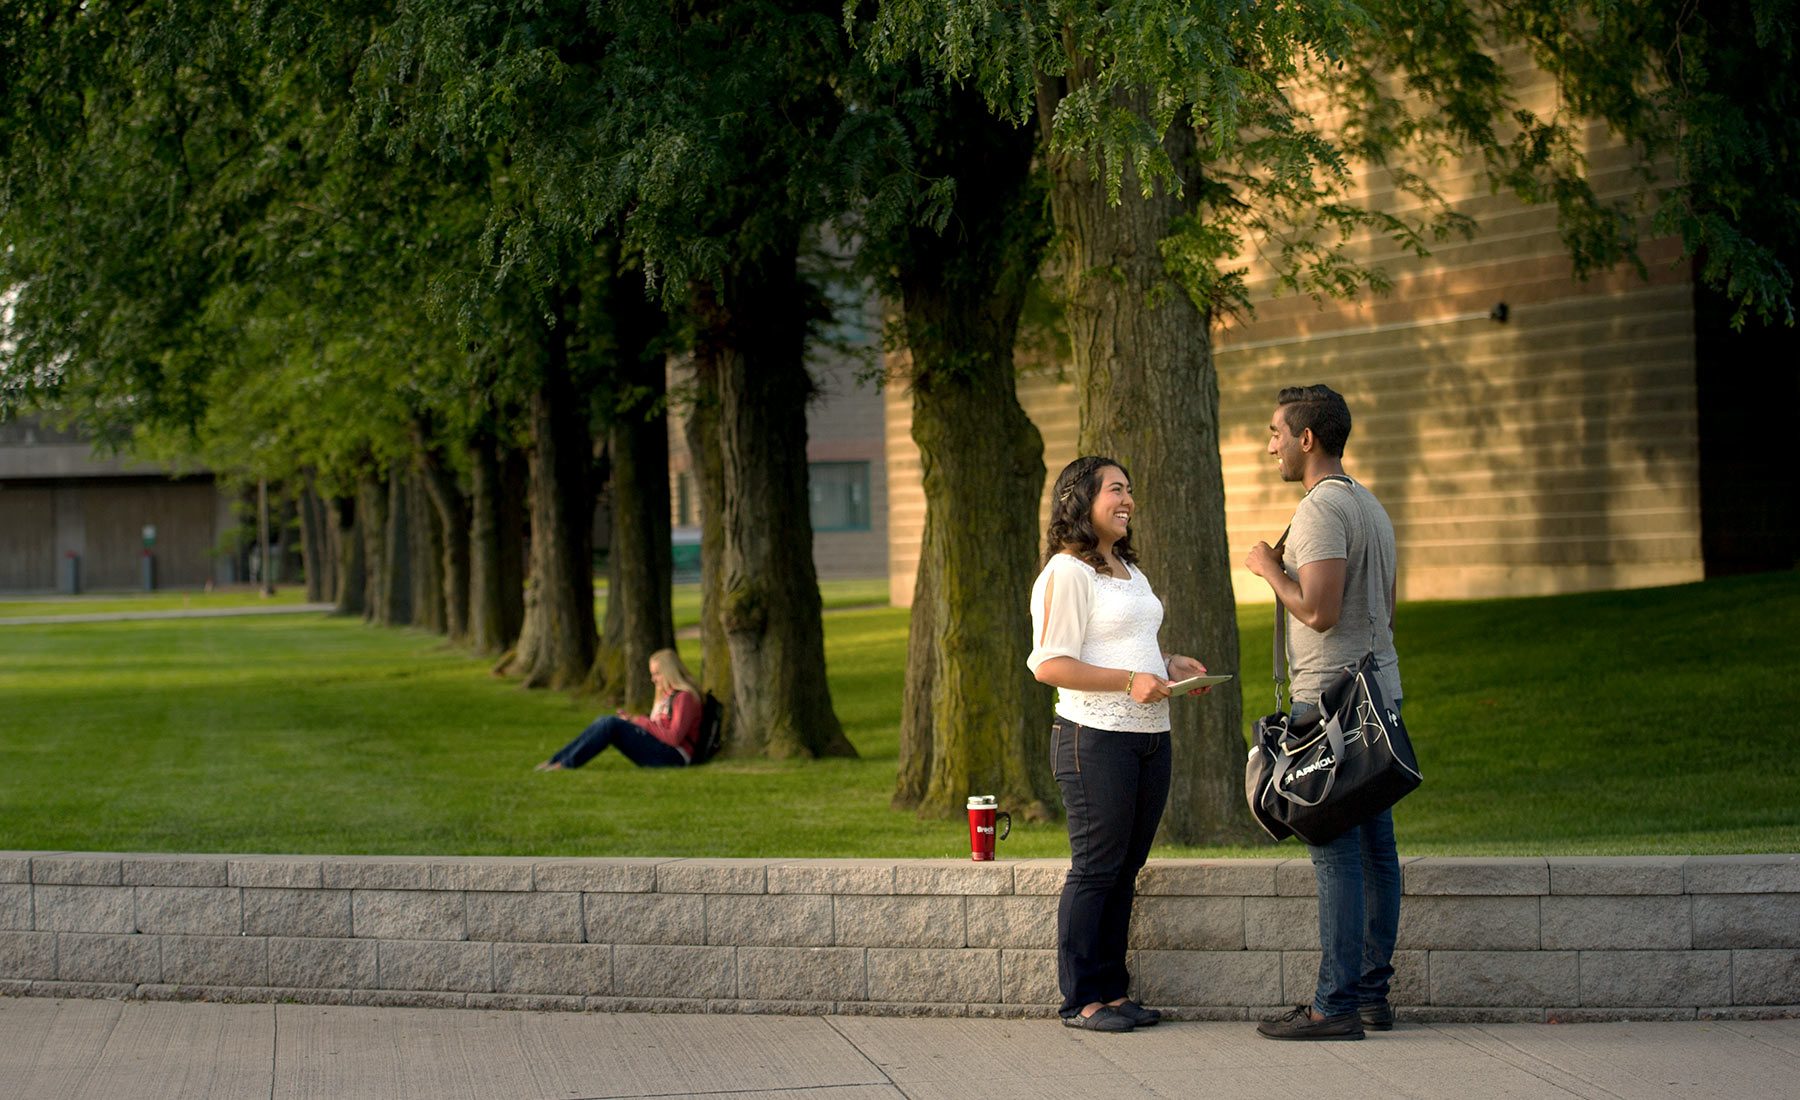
(1094, 623)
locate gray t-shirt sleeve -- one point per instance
(1320, 532)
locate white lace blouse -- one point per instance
(1099, 620)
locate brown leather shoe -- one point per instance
(1297, 1023)
(1376, 1017)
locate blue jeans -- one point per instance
(1114, 786)
(638, 744)
(1359, 911)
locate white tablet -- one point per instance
(1180, 686)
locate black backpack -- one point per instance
(712, 730)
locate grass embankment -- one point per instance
(1650, 721)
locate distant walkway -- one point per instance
(179, 613)
(52, 1049)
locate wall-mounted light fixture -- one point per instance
(1499, 313)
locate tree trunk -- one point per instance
(1149, 398)
(641, 560)
(983, 465)
(914, 766)
(372, 518)
(452, 524)
(556, 643)
(496, 538)
(351, 595)
(396, 561)
(426, 563)
(754, 331)
(709, 474)
(315, 543)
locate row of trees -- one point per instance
(426, 261)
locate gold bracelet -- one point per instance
(1129, 677)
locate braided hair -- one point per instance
(1071, 515)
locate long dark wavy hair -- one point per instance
(1071, 514)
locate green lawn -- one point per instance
(129, 602)
(1649, 721)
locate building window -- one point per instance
(684, 500)
(840, 495)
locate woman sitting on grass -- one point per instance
(664, 738)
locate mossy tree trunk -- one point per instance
(709, 474)
(1149, 397)
(372, 521)
(496, 549)
(556, 642)
(640, 562)
(453, 539)
(982, 459)
(397, 552)
(753, 330)
(351, 595)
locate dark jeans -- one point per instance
(1359, 911)
(639, 745)
(1114, 787)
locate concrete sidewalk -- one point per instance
(107, 1049)
(168, 613)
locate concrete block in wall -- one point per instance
(528, 917)
(1765, 977)
(1505, 978)
(768, 920)
(1476, 877)
(86, 957)
(802, 974)
(713, 876)
(78, 870)
(279, 912)
(1410, 985)
(28, 955)
(645, 918)
(1189, 923)
(175, 871)
(15, 866)
(570, 969)
(407, 915)
(1206, 977)
(1296, 877)
(934, 974)
(1469, 923)
(191, 910)
(82, 908)
(832, 876)
(322, 963)
(1765, 874)
(1028, 977)
(215, 960)
(15, 905)
(1747, 920)
(1209, 877)
(276, 872)
(900, 921)
(1281, 924)
(437, 965)
(935, 876)
(1616, 874)
(600, 876)
(1022, 921)
(1654, 978)
(674, 971)
(506, 874)
(1596, 922)
(1039, 876)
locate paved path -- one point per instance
(176, 613)
(110, 1049)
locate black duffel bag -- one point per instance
(1346, 762)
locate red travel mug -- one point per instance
(983, 817)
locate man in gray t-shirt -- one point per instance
(1336, 581)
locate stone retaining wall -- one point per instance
(1480, 939)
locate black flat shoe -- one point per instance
(1107, 1018)
(1298, 1023)
(1376, 1017)
(1138, 1014)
